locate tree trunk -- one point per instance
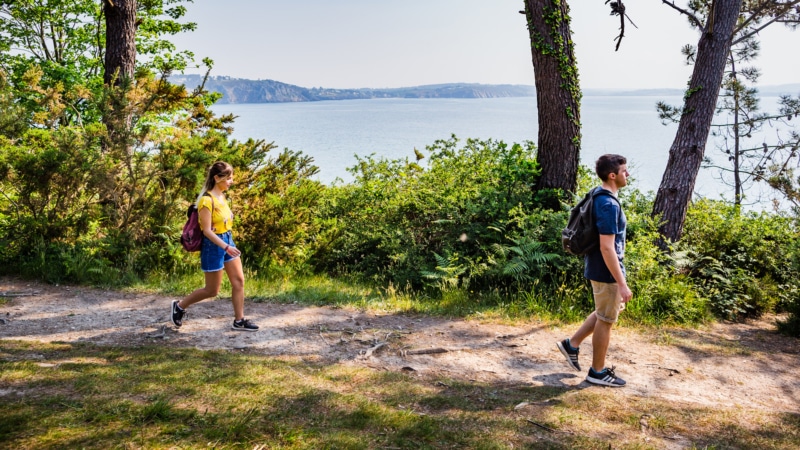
(120, 40)
(558, 93)
(688, 148)
(120, 63)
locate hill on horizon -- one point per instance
(242, 90)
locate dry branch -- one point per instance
(373, 349)
(424, 351)
(618, 9)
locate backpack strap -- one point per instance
(600, 191)
(212, 202)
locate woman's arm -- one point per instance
(208, 232)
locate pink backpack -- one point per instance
(192, 235)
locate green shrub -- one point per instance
(672, 300)
(471, 218)
(742, 262)
(276, 212)
(78, 206)
(660, 295)
(791, 325)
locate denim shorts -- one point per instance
(212, 256)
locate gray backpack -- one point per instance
(581, 236)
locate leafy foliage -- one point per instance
(745, 267)
(276, 210)
(470, 227)
(76, 201)
(462, 221)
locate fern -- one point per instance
(524, 260)
(447, 273)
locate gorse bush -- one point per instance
(661, 294)
(77, 206)
(276, 211)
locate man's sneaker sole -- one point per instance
(567, 356)
(606, 380)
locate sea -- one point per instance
(334, 132)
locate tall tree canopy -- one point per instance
(121, 24)
(558, 93)
(722, 24)
(65, 40)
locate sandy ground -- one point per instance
(745, 365)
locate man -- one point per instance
(606, 272)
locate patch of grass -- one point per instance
(81, 396)
(318, 290)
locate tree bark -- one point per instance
(558, 93)
(120, 57)
(687, 150)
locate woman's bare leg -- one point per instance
(236, 276)
(210, 290)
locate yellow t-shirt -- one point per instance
(221, 215)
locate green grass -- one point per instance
(319, 290)
(560, 304)
(81, 396)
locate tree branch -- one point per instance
(754, 15)
(777, 18)
(618, 9)
(688, 14)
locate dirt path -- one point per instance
(746, 365)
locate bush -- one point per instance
(471, 218)
(742, 262)
(276, 212)
(672, 300)
(791, 325)
(661, 296)
(81, 207)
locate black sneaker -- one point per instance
(605, 377)
(178, 314)
(570, 353)
(244, 325)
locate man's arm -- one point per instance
(612, 262)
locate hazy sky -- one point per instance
(382, 43)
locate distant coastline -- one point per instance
(240, 90)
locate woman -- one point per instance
(218, 250)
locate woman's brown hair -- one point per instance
(218, 169)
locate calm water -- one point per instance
(332, 132)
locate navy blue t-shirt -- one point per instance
(609, 219)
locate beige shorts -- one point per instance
(607, 301)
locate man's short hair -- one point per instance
(608, 164)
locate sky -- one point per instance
(384, 44)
